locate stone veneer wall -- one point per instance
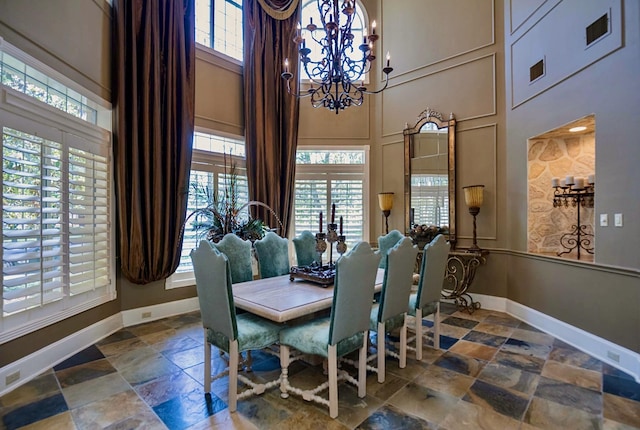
(557, 157)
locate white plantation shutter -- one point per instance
(310, 199)
(32, 254)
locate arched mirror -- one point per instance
(430, 177)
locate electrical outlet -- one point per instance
(612, 355)
(13, 377)
(617, 220)
(146, 314)
(604, 220)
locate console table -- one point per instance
(461, 269)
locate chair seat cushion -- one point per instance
(254, 332)
(427, 310)
(313, 338)
(391, 324)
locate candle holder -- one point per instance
(341, 246)
(577, 196)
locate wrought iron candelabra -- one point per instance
(331, 237)
(578, 196)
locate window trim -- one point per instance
(18, 110)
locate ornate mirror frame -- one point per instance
(427, 116)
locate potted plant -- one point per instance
(222, 215)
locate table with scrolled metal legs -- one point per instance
(461, 269)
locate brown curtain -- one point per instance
(153, 100)
(270, 112)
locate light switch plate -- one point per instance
(617, 220)
(604, 220)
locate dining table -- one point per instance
(281, 299)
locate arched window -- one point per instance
(219, 26)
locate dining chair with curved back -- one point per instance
(390, 312)
(273, 255)
(238, 253)
(426, 300)
(342, 332)
(223, 328)
(305, 245)
(388, 241)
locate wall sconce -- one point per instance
(385, 200)
(473, 197)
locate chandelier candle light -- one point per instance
(339, 78)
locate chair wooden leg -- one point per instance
(436, 327)
(207, 364)
(381, 352)
(333, 381)
(233, 375)
(418, 334)
(403, 344)
(362, 368)
(284, 375)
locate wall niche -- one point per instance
(552, 156)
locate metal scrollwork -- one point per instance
(461, 270)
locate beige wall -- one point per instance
(602, 298)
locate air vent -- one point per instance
(597, 29)
(536, 70)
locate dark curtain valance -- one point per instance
(279, 9)
(270, 113)
(154, 81)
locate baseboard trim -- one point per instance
(155, 312)
(602, 349)
(32, 365)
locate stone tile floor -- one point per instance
(493, 372)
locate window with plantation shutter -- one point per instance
(57, 253)
(210, 175)
(325, 177)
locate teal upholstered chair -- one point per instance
(388, 241)
(390, 312)
(238, 253)
(305, 245)
(224, 329)
(427, 299)
(344, 331)
(273, 255)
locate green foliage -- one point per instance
(223, 215)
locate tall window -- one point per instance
(325, 177)
(56, 197)
(310, 11)
(219, 26)
(209, 176)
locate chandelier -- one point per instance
(336, 79)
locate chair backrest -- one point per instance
(213, 283)
(238, 252)
(353, 292)
(273, 255)
(305, 245)
(432, 271)
(386, 242)
(398, 278)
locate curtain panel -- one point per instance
(154, 93)
(270, 112)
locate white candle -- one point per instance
(569, 180)
(562, 184)
(579, 185)
(555, 182)
(591, 179)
